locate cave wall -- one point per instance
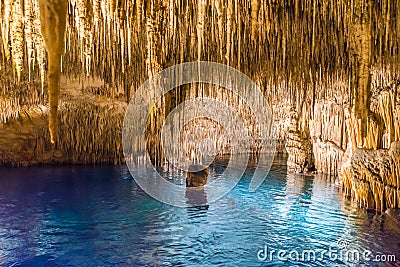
(329, 69)
(89, 127)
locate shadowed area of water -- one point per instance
(98, 216)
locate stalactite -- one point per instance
(153, 66)
(84, 11)
(38, 43)
(53, 21)
(29, 17)
(96, 5)
(152, 63)
(220, 18)
(360, 43)
(280, 42)
(229, 18)
(17, 37)
(5, 27)
(201, 9)
(305, 51)
(386, 110)
(255, 9)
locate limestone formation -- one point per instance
(372, 177)
(298, 148)
(90, 126)
(335, 63)
(197, 176)
(53, 22)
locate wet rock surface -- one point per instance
(197, 176)
(372, 177)
(394, 215)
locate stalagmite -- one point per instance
(53, 21)
(298, 147)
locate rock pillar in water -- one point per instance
(197, 176)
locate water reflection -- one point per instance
(99, 216)
(196, 197)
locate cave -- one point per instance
(189, 133)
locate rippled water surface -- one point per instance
(98, 216)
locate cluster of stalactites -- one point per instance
(20, 32)
(294, 40)
(325, 117)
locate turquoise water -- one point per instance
(98, 216)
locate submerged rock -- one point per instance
(196, 197)
(394, 214)
(197, 175)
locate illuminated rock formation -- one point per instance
(298, 147)
(53, 21)
(197, 176)
(90, 130)
(336, 63)
(372, 177)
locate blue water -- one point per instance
(98, 216)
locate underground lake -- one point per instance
(98, 216)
